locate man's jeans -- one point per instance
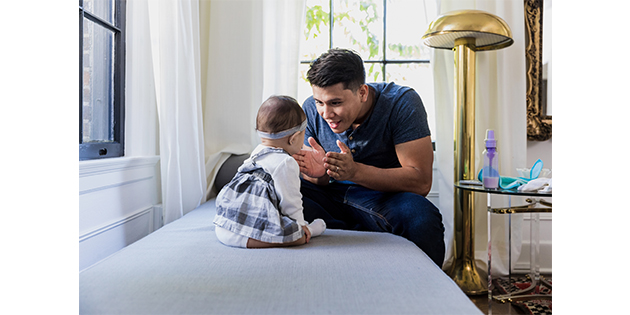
(354, 207)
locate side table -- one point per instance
(535, 205)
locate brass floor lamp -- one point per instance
(466, 32)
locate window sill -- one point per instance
(101, 166)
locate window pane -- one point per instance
(97, 82)
(359, 26)
(420, 78)
(373, 72)
(104, 9)
(407, 20)
(316, 38)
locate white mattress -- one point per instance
(183, 269)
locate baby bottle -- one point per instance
(490, 162)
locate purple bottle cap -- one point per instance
(490, 141)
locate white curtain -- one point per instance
(283, 23)
(164, 98)
(251, 52)
(501, 106)
(197, 71)
(141, 122)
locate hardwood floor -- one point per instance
(481, 301)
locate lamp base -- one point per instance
(469, 278)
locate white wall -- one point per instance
(538, 150)
(118, 205)
(434, 195)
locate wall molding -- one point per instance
(95, 175)
(107, 240)
(546, 244)
(103, 166)
(119, 203)
(544, 216)
(111, 226)
(523, 264)
(103, 187)
(158, 216)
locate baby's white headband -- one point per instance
(283, 133)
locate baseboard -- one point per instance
(158, 216)
(102, 242)
(523, 263)
(545, 241)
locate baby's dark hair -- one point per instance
(335, 66)
(278, 113)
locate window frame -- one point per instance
(383, 61)
(115, 148)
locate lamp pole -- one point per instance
(466, 32)
(463, 270)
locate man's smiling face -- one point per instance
(341, 108)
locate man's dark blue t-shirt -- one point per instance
(398, 116)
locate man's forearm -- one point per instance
(407, 178)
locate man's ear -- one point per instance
(364, 92)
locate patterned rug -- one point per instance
(517, 283)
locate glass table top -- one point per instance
(514, 192)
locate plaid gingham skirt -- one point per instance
(248, 206)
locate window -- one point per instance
(386, 33)
(101, 78)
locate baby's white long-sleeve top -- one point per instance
(285, 172)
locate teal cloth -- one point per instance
(507, 183)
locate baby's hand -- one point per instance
(307, 232)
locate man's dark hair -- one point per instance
(337, 66)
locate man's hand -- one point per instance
(311, 159)
(340, 166)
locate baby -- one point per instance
(262, 205)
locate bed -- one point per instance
(183, 269)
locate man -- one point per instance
(369, 167)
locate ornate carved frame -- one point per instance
(538, 123)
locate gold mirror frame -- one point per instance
(538, 123)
